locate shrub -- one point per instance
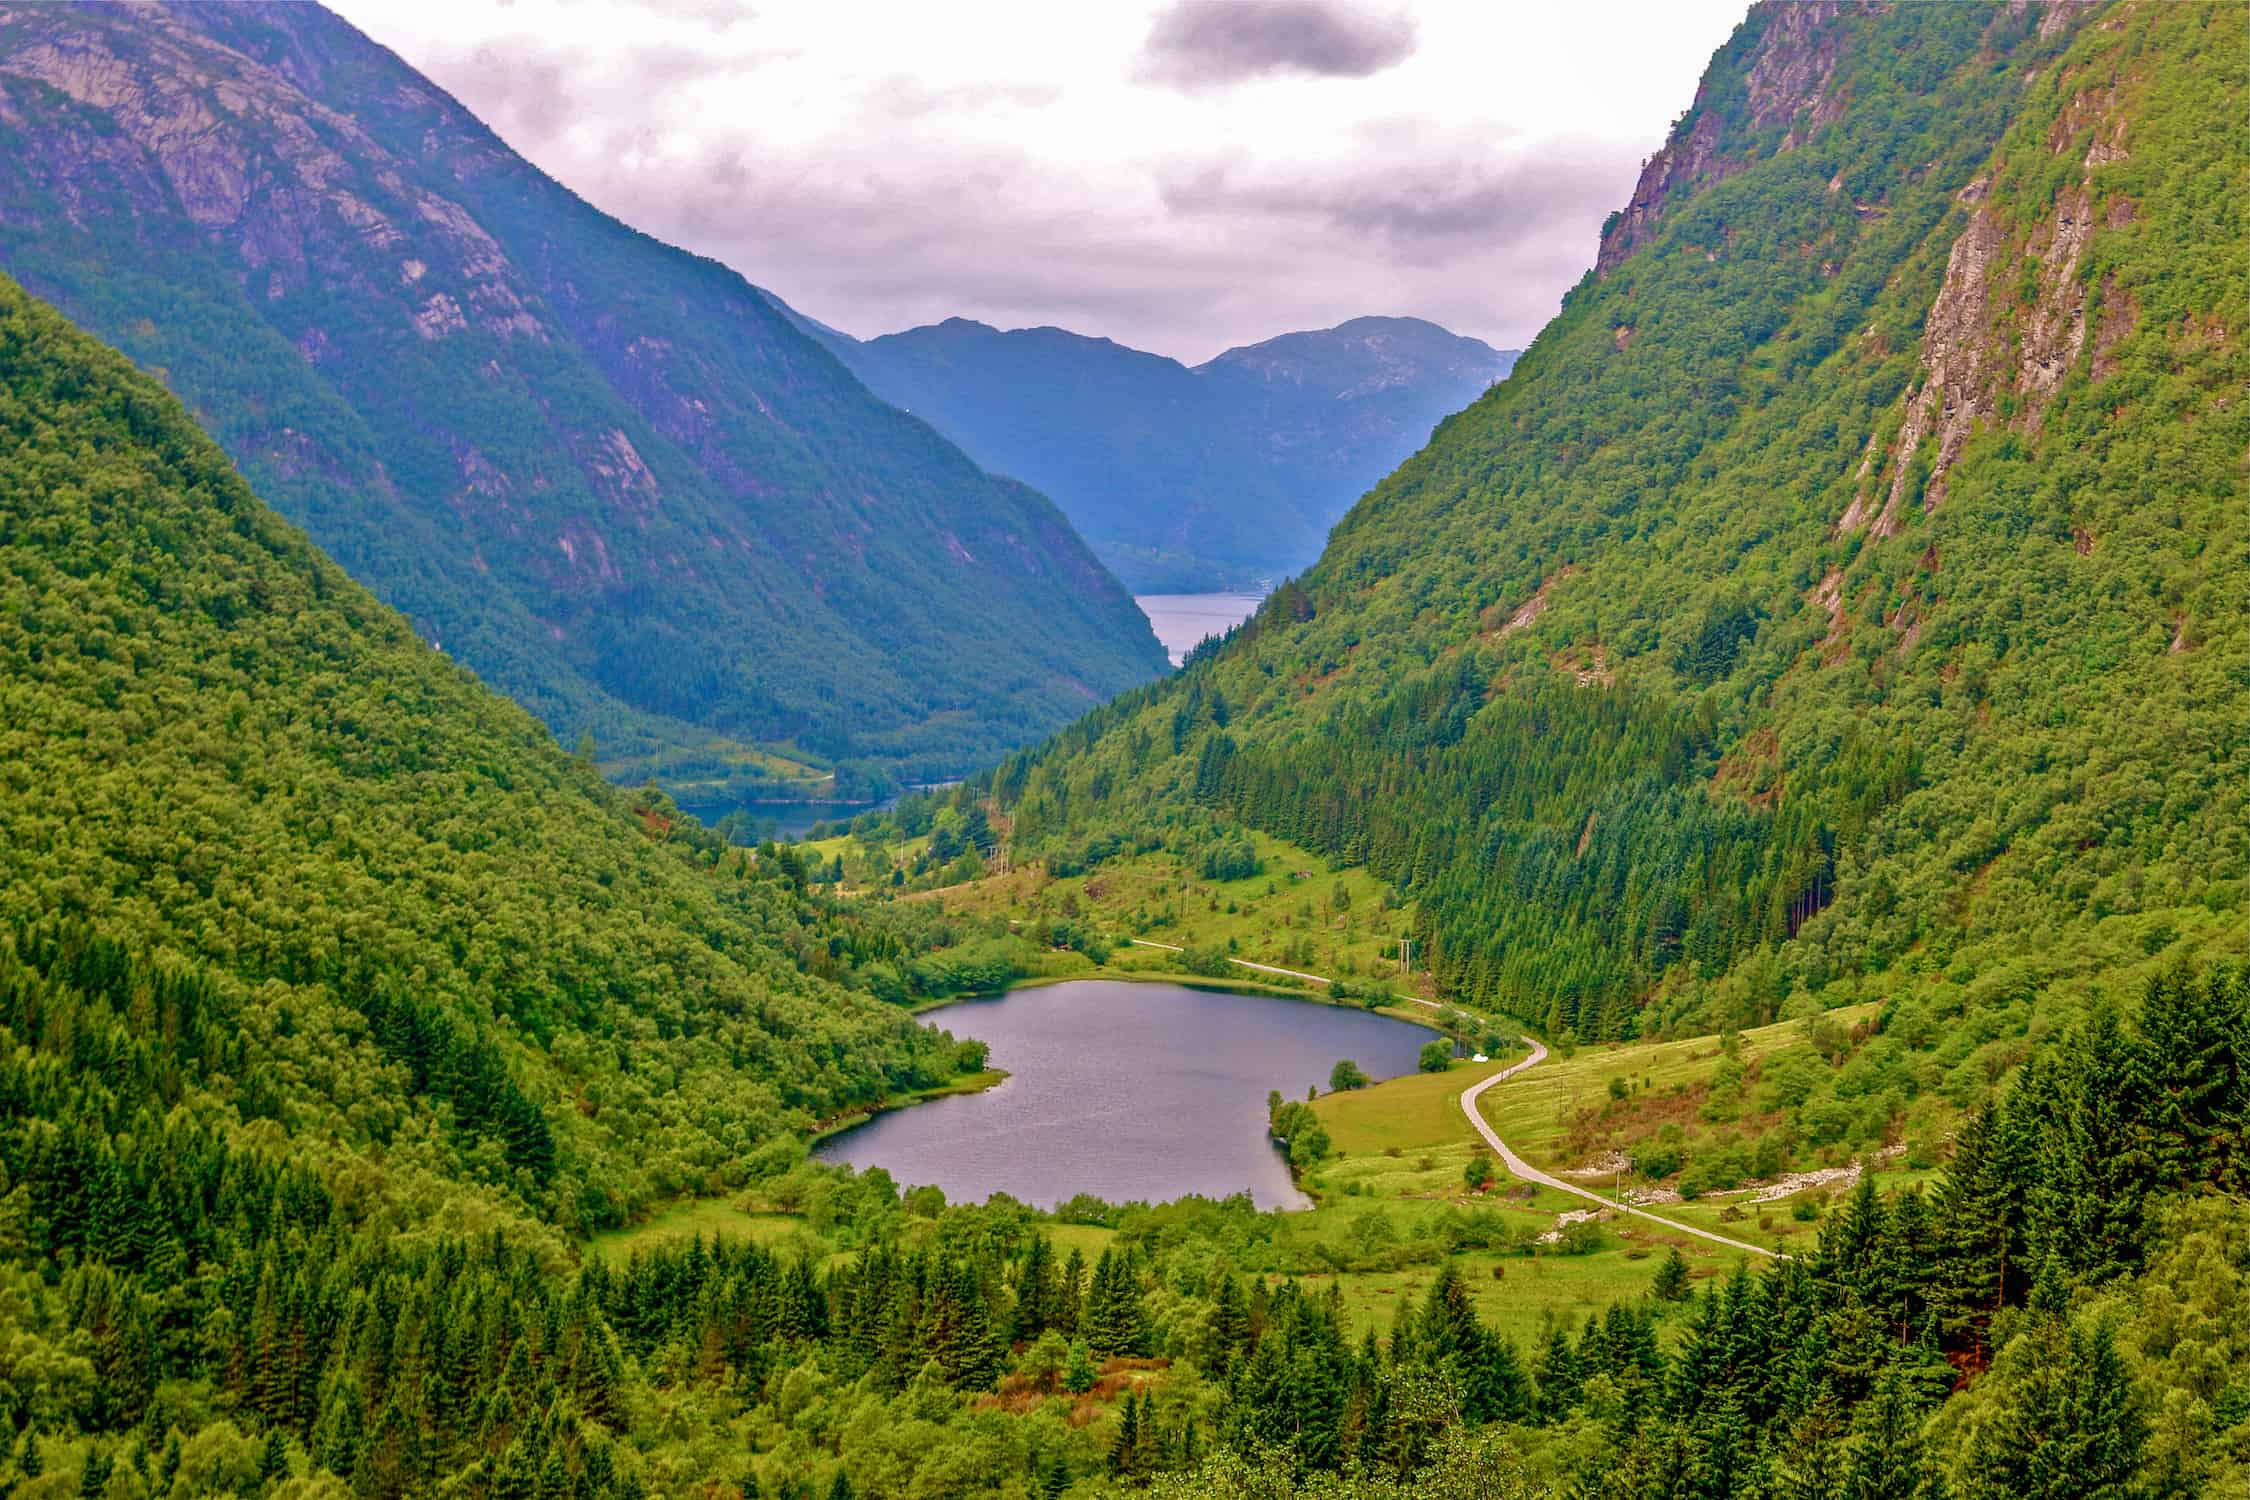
(1436, 1056)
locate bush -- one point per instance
(1663, 1156)
(1346, 1075)
(1206, 961)
(1436, 1056)
(1232, 859)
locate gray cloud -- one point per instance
(1210, 43)
(889, 224)
(1428, 201)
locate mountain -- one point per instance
(1184, 479)
(600, 471)
(1842, 593)
(226, 758)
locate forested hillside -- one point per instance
(605, 474)
(1185, 478)
(1847, 582)
(319, 875)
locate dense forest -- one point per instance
(607, 475)
(1848, 578)
(353, 1032)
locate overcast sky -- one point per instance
(1179, 175)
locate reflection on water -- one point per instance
(1126, 1091)
(1182, 620)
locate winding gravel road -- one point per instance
(1518, 1167)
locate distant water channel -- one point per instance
(1183, 620)
(1125, 1090)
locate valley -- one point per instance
(592, 910)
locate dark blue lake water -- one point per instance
(1125, 1090)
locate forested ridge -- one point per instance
(602, 472)
(1847, 578)
(341, 1011)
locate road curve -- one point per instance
(1515, 1164)
(1520, 1168)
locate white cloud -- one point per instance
(1013, 160)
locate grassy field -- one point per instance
(712, 1218)
(1417, 1111)
(1402, 1147)
(1564, 1113)
(1297, 914)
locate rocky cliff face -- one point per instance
(603, 472)
(1771, 89)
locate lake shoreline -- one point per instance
(852, 1119)
(1186, 980)
(1146, 1095)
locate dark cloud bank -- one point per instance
(1210, 43)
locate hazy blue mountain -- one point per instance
(1184, 478)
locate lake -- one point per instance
(1181, 621)
(779, 819)
(1125, 1090)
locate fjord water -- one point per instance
(1125, 1090)
(1181, 621)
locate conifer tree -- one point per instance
(1078, 1369)
(2197, 1030)
(93, 1478)
(1672, 1277)
(1886, 1461)
(2064, 1426)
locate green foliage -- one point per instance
(606, 474)
(1618, 682)
(1435, 1057)
(1346, 1075)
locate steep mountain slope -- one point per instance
(1185, 479)
(409, 929)
(602, 472)
(1848, 578)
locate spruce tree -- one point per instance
(93, 1478)
(1672, 1277)
(1124, 1448)
(2065, 1425)
(1886, 1461)
(1230, 1323)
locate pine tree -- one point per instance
(2065, 1425)
(1078, 1369)
(2099, 1162)
(1672, 1277)
(273, 1458)
(2197, 1035)
(1812, 1467)
(93, 1478)
(1230, 1323)
(1558, 1376)
(1886, 1460)
(1124, 1449)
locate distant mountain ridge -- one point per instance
(597, 469)
(1184, 478)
